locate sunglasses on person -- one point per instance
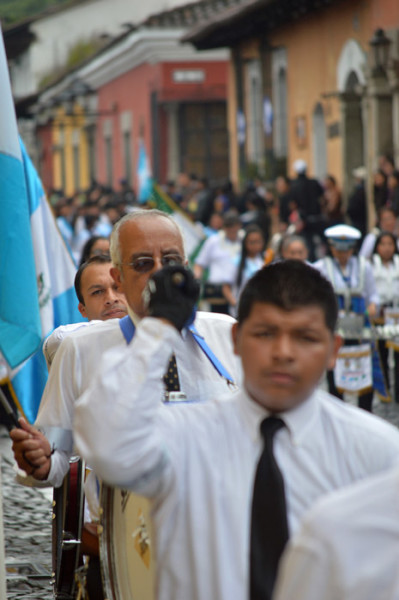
(145, 264)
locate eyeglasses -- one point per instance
(145, 264)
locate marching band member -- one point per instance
(142, 242)
(226, 488)
(353, 282)
(99, 300)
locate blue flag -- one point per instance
(144, 176)
(36, 269)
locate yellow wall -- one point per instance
(313, 46)
(69, 124)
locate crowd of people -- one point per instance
(90, 214)
(252, 441)
(243, 232)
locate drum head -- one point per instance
(67, 529)
(126, 548)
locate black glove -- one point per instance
(172, 294)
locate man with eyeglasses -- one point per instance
(142, 243)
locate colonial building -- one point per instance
(309, 79)
(145, 86)
(44, 44)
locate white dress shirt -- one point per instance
(348, 546)
(77, 360)
(218, 254)
(197, 463)
(53, 341)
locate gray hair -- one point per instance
(115, 249)
(290, 239)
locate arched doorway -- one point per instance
(280, 102)
(353, 151)
(351, 82)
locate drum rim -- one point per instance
(107, 550)
(63, 583)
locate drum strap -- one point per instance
(211, 356)
(128, 329)
(349, 289)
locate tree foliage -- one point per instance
(13, 11)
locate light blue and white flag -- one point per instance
(36, 269)
(144, 175)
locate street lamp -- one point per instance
(380, 46)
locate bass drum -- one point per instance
(67, 529)
(126, 548)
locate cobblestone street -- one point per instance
(27, 533)
(27, 525)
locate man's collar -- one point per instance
(297, 420)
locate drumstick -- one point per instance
(9, 411)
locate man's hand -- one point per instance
(172, 294)
(32, 450)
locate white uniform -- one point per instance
(348, 546)
(197, 463)
(77, 360)
(359, 274)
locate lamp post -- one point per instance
(380, 46)
(378, 114)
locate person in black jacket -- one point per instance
(307, 194)
(357, 204)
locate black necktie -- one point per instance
(171, 377)
(269, 528)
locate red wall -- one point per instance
(44, 134)
(132, 92)
(129, 92)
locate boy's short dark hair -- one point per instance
(99, 259)
(289, 284)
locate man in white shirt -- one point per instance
(347, 547)
(97, 292)
(219, 254)
(99, 300)
(197, 464)
(141, 243)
